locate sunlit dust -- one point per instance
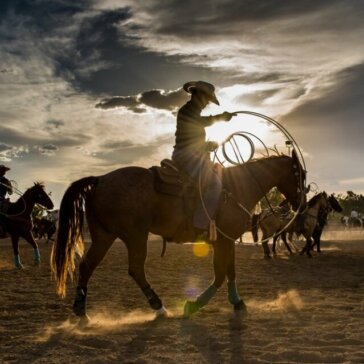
(200, 250)
(99, 324)
(288, 301)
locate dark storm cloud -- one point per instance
(166, 101)
(130, 102)
(158, 99)
(335, 116)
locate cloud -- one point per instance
(55, 123)
(48, 149)
(157, 99)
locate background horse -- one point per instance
(124, 204)
(44, 228)
(322, 221)
(307, 225)
(271, 222)
(18, 223)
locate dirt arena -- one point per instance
(300, 310)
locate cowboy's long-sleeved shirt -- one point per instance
(5, 187)
(190, 133)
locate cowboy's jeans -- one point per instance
(201, 170)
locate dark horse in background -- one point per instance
(124, 204)
(17, 219)
(44, 228)
(274, 224)
(322, 221)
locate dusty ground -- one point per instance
(300, 310)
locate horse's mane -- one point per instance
(314, 199)
(36, 186)
(39, 184)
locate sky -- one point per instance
(90, 86)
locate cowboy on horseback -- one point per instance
(5, 188)
(191, 151)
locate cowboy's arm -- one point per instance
(209, 120)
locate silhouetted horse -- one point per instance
(322, 221)
(125, 204)
(18, 223)
(44, 228)
(273, 222)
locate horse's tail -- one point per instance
(255, 223)
(69, 237)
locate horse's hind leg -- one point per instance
(284, 238)
(137, 254)
(101, 243)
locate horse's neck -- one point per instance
(314, 210)
(24, 205)
(251, 181)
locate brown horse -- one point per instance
(272, 225)
(271, 222)
(124, 204)
(17, 219)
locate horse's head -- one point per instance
(40, 196)
(292, 184)
(320, 201)
(334, 204)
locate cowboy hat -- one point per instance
(203, 86)
(4, 168)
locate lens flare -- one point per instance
(200, 250)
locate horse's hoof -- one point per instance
(240, 306)
(309, 255)
(267, 256)
(19, 266)
(161, 313)
(190, 308)
(83, 322)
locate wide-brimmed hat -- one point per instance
(4, 168)
(203, 86)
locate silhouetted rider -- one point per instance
(191, 151)
(5, 187)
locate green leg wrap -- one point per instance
(18, 261)
(206, 296)
(36, 255)
(233, 294)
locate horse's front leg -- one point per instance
(28, 236)
(284, 238)
(15, 244)
(233, 294)
(222, 250)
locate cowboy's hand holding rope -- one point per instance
(210, 146)
(227, 116)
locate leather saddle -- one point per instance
(169, 180)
